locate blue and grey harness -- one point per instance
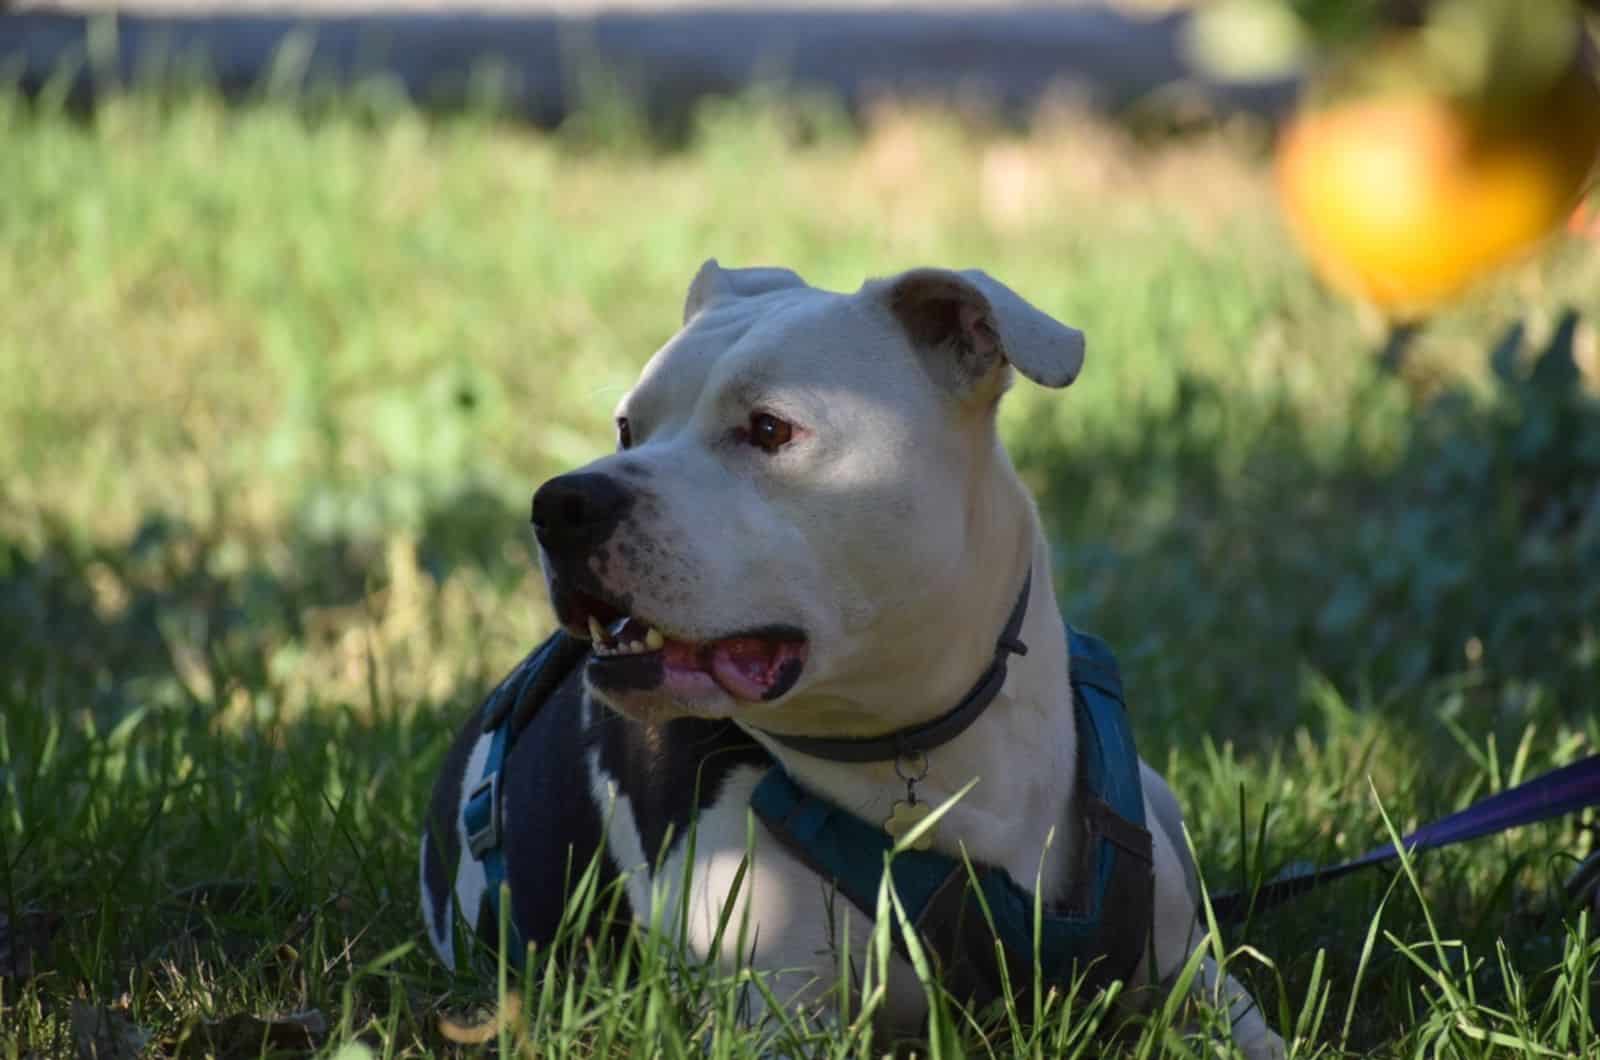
(1098, 933)
(482, 811)
(482, 816)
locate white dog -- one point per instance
(809, 581)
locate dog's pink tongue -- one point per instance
(743, 666)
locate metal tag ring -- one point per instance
(915, 760)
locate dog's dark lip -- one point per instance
(574, 607)
(621, 673)
(778, 631)
(645, 671)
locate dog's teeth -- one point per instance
(654, 640)
(632, 647)
(596, 634)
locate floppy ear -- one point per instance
(977, 323)
(713, 283)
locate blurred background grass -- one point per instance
(265, 364)
(280, 378)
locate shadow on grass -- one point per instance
(199, 830)
(1469, 548)
(1469, 552)
(277, 852)
(177, 613)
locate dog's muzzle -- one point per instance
(575, 516)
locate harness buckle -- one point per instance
(481, 816)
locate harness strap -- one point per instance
(506, 713)
(1100, 932)
(481, 819)
(533, 682)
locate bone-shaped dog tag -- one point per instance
(904, 816)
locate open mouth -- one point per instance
(632, 654)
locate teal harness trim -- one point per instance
(483, 810)
(481, 814)
(1099, 932)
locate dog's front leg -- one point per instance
(752, 905)
(1250, 1031)
(1177, 931)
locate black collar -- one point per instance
(929, 734)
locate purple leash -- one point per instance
(1559, 792)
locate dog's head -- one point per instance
(807, 490)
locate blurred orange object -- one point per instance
(1585, 222)
(1406, 197)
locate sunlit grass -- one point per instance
(277, 382)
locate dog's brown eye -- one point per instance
(769, 432)
(624, 433)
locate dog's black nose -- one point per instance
(578, 510)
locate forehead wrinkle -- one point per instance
(744, 386)
(735, 351)
(673, 377)
(754, 364)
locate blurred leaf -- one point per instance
(1533, 437)
(482, 1027)
(1334, 21)
(1556, 370)
(1247, 40)
(1503, 357)
(1346, 607)
(1500, 47)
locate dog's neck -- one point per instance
(1022, 750)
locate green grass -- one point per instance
(278, 381)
